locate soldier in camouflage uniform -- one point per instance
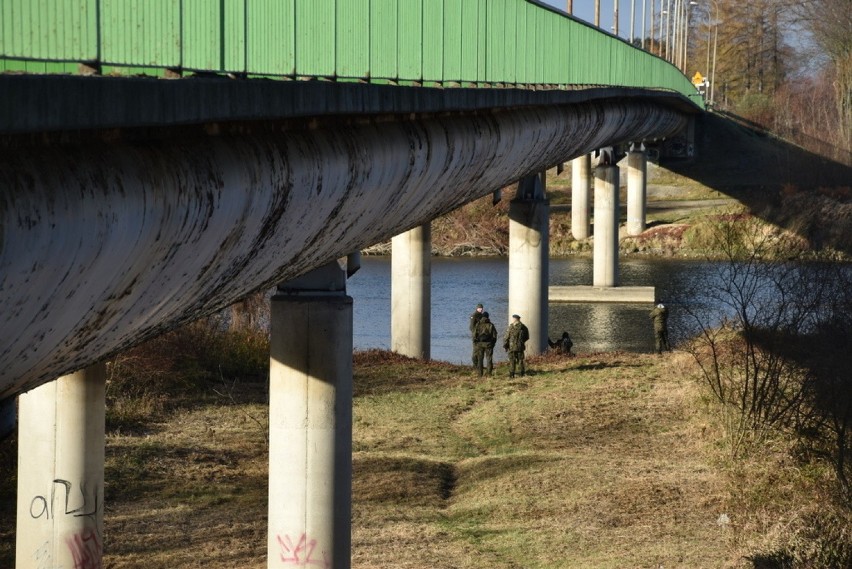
(474, 320)
(514, 339)
(484, 339)
(660, 316)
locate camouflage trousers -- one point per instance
(661, 341)
(483, 355)
(516, 361)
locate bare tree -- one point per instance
(754, 308)
(745, 42)
(830, 25)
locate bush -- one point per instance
(185, 362)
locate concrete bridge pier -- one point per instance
(411, 292)
(637, 167)
(61, 472)
(605, 260)
(310, 422)
(581, 170)
(529, 215)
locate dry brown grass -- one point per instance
(597, 461)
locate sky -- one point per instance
(585, 10)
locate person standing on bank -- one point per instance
(474, 320)
(660, 316)
(514, 342)
(484, 339)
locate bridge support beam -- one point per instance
(605, 260)
(411, 292)
(637, 167)
(581, 170)
(310, 422)
(61, 472)
(529, 215)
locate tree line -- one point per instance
(782, 64)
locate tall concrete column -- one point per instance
(411, 292)
(637, 166)
(581, 170)
(605, 262)
(310, 422)
(529, 216)
(60, 512)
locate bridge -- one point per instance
(161, 160)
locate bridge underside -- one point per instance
(105, 244)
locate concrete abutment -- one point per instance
(411, 292)
(580, 196)
(637, 190)
(60, 511)
(529, 236)
(310, 422)
(605, 261)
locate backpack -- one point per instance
(483, 332)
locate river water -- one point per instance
(458, 284)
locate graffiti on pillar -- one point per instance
(86, 550)
(302, 552)
(87, 502)
(42, 556)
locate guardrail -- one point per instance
(487, 43)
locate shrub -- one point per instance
(185, 362)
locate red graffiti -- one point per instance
(86, 549)
(301, 553)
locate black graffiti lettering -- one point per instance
(44, 509)
(88, 500)
(77, 512)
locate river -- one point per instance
(458, 284)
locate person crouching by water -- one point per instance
(563, 345)
(513, 342)
(660, 316)
(484, 340)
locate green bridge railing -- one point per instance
(483, 43)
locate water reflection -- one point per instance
(458, 284)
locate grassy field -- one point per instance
(599, 461)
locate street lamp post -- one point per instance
(632, 19)
(668, 13)
(676, 33)
(713, 70)
(686, 35)
(679, 55)
(597, 13)
(615, 17)
(653, 7)
(681, 35)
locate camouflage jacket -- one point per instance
(515, 337)
(474, 320)
(660, 316)
(485, 332)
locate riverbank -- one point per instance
(598, 461)
(681, 216)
